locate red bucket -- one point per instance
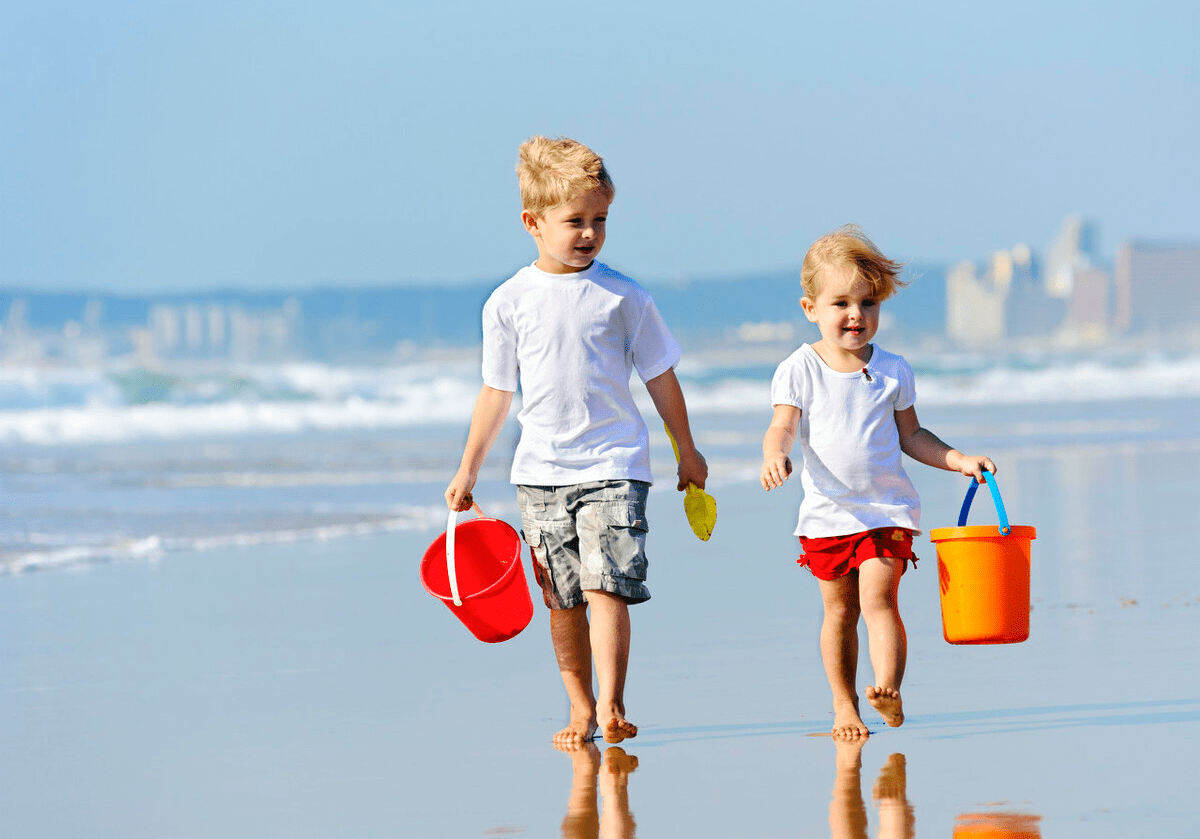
(475, 569)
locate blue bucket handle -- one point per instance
(1001, 513)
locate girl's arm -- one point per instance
(777, 445)
(668, 400)
(923, 445)
(491, 409)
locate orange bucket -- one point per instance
(983, 573)
(997, 826)
(475, 569)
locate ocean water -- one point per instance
(121, 463)
(214, 624)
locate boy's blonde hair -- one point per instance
(849, 247)
(552, 172)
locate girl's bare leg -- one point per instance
(610, 652)
(879, 587)
(839, 653)
(573, 649)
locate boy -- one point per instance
(570, 330)
(852, 405)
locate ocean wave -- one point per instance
(55, 407)
(73, 552)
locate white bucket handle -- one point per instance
(450, 525)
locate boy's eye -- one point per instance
(868, 303)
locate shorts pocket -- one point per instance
(621, 538)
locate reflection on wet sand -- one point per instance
(609, 777)
(997, 826)
(848, 810)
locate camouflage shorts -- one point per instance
(587, 537)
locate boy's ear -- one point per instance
(809, 309)
(531, 223)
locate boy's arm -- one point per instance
(923, 445)
(668, 400)
(491, 409)
(777, 445)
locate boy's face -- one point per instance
(569, 236)
(844, 311)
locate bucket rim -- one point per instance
(982, 531)
(437, 550)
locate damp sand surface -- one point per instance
(315, 689)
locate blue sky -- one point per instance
(267, 145)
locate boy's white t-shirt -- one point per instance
(852, 475)
(571, 342)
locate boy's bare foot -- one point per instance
(618, 728)
(847, 724)
(577, 732)
(618, 762)
(887, 702)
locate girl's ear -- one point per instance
(809, 309)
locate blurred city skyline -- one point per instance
(264, 145)
(1064, 296)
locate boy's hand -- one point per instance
(458, 494)
(693, 469)
(974, 465)
(775, 471)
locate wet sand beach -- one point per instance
(315, 689)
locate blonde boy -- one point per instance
(570, 331)
(852, 405)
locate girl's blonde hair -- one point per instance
(849, 247)
(552, 172)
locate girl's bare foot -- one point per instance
(577, 732)
(847, 724)
(887, 702)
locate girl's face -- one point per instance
(845, 312)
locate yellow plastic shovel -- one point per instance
(698, 505)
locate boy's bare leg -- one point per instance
(879, 587)
(616, 822)
(573, 649)
(839, 653)
(610, 653)
(582, 820)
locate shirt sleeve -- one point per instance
(654, 348)
(906, 394)
(501, 370)
(789, 385)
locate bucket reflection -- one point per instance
(848, 809)
(999, 825)
(598, 804)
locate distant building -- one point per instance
(1089, 312)
(1157, 289)
(975, 305)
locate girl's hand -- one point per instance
(775, 471)
(974, 466)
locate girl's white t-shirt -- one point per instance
(852, 475)
(571, 342)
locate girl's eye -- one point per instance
(868, 303)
